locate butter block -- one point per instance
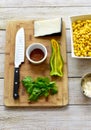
(48, 27)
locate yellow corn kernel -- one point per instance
(82, 37)
(89, 53)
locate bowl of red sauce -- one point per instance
(36, 53)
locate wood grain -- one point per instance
(77, 115)
(76, 67)
(40, 13)
(2, 41)
(30, 3)
(27, 69)
(72, 118)
(2, 61)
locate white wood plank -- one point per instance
(29, 3)
(68, 40)
(75, 94)
(2, 41)
(7, 14)
(2, 65)
(78, 67)
(1, 91)
(55, 125)
(68, 118)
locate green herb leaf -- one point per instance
(42, 86)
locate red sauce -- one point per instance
(37, 54)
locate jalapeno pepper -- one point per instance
(56, 60)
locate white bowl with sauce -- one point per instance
(36, 53)
(86, 85)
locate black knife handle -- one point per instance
(16, 83)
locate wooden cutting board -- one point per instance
(28, 69)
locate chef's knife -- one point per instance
(19, 58)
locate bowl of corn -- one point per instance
(80, 27)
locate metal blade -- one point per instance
(19, 47)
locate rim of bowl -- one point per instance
(82, 80)
(43, 49)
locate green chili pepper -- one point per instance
(56, 60)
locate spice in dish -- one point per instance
(37, 54)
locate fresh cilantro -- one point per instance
(42, 86)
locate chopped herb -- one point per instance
(42, 86)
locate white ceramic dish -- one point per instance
(33, 46)
(73, 19)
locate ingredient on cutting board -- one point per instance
(48, 27)
(36, 53)
(82, 38)
(56, 60)
(42, 86)
(86, 85)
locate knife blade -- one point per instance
(19, 58)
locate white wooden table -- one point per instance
(77, 115)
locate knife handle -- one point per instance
(16, 83)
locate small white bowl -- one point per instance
(33, 46)
(86, 85)
(73, 19)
